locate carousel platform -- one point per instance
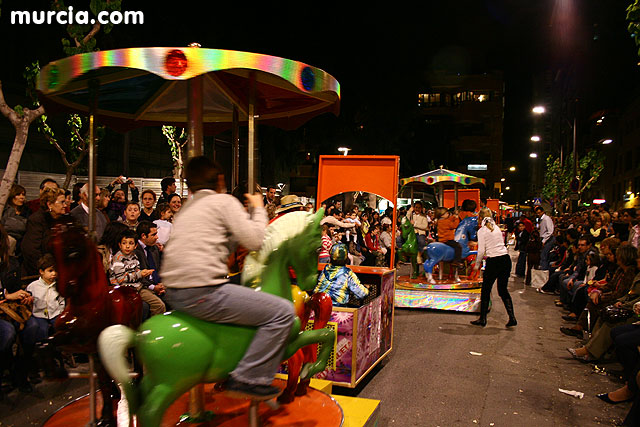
(444, 295)
(318, 407)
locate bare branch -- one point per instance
(90, 35)
(54, 142)
(7, 111)
(34, 114)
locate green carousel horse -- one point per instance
(409, 248)
(179, 351)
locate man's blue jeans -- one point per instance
(544, 253)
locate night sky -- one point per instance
(381, 52)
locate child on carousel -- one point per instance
(339, 281)
(447, 224)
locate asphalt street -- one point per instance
(432, 378)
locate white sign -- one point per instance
(477, 167)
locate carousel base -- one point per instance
(315, 408)
(443, 295)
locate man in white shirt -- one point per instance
(545, 226)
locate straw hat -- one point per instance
(289, 202)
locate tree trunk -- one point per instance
(21, 124)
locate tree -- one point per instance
(177, 139)
(633, 16)
(558, 177)
(21, 119)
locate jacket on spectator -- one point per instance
(35, 240)
(522, 238)
(144, 264)
(80, 215)
(617, 287)
(125, 270)
(14, 224)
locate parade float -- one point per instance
(418, 288)
(364, 333)
(204, 90)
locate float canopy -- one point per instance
(148, 86)
(443, 175)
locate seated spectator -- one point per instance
(610, 292)
(34, 205)
(325, 246)
(15, 214)
(11, 290)
(149, 257)
(125, 269)
(175, 202)
(118, 203)
(103, 203)
(148, 201)
(372, 242)
(47, 303)
(168, 186)
(81, 212)
(338, 281)
(385, 242)
(164, 223)
(108, 245)
(131, 215)
(75, 195)
(36, 237)
(601, 339)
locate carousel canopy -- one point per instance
(441, 176)
(147, 86)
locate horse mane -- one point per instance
(278, 232)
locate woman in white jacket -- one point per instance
(491, 244)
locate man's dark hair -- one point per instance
(630, 212)
(538, 208)
(269, 187)
(75, 192)
(586, 238)
(144, 228)
(202, 173)
(46, 261)
(128, 234)
(130, 202)
(44, 181)
(469, 205)
(573, 233)
(166, 182)
(418, 203)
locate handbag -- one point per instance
(15, 311)
(539, 278)
(613, 314)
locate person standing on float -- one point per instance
(491, 244)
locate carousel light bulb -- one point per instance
(175, 63)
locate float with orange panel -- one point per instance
(363, 326)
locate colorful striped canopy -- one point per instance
(443, 175)
(148, 86)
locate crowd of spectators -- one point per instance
(130, 239)
(590, 261)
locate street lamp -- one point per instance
(535, 138)
(539, 109)
(507, 188)
(512, 169)
(533, 155)
(501, 179)
(606, 141)
(344, 150)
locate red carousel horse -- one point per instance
(91, 306)
(321, 305)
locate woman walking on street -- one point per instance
(491, 244)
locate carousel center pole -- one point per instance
(235, 144)
(455, 195)
(194, 149)
(251, 179)
(93, 93)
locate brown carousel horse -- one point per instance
(91, 306)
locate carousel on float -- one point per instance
(436, 285)
(181, 362)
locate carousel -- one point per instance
(418, 288)
(206, 91)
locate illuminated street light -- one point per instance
(507, 188)
(533, 155)
(344, 150)
(538, 109)
(606, 141)
(512, 169)
(535, 138)
(501, 179)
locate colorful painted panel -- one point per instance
(386, 313)
(368, 340)
(444, 300)
(343, 350)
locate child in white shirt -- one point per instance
(47, 302)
